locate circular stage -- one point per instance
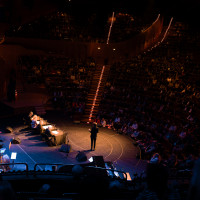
(119, 149)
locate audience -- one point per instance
(153, 97)
(67, 80)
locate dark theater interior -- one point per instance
(99, 100)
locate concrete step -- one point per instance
(94, 90)
(91, 101)
(92, 98)
(90, 104)
(94, 110)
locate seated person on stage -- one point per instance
(34, 122)
(48, 132)
(34, 126)
(39, 128)
(28, 119)
(30, 115)
(50, 139)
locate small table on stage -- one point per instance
(53, 136)
(58, 136)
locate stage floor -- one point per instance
(114, 147)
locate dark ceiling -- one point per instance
(21, 11)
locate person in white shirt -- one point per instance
(34, 122)
(103, 122)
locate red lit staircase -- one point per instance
(95, 93)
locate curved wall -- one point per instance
(100, 51)
(103, 53)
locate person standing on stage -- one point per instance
(93, 135)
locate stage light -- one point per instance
(167, 29)
(55, 132)
(90, 159)
(96, 94)
(46, 126)
(13, 156)
(116, 174)
(2, 150)
(112, 20)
